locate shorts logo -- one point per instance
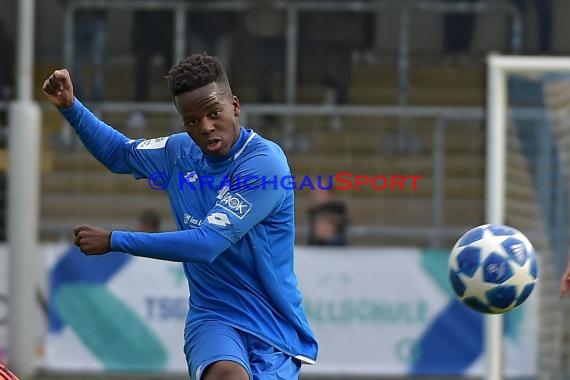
(219, 219)
(159, 142)
(234, 203)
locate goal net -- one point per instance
(528, 177)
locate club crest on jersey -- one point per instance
(233, 202)
(191, 176)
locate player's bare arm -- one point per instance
(92, 240)
(58, 89)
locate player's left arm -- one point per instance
(198, 245)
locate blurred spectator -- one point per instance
(544, 21)
(149, 221)
(267, 25)
(328, 219)
(87, 65)
(212, 31)
(328, 39)
(458, 30)
(152, 38)
(367, 52)
(89, 43)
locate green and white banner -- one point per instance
(374, 311)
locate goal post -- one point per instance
(499, 68)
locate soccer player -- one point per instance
(6, 374)
(236, 242)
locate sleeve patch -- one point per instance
(234, 203)
(219, 219)
(157, 143)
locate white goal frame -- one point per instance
(499, 67)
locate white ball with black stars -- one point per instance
(493, 268)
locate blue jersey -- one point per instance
(236, 227)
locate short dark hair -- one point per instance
(195, 71)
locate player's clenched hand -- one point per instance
(58, 89)
(565, 283)
(92, 240)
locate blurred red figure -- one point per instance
(6, 374)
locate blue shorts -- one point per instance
(211, 341)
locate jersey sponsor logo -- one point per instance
(191, 221)
(157, 143)
(219, 219)
(234, 203)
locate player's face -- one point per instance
(211, 117)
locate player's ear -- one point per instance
(236, 106)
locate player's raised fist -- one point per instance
(58, 89)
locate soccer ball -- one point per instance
(493, 268)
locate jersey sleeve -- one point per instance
(251, 195)
(113, 149)
(199, 245)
